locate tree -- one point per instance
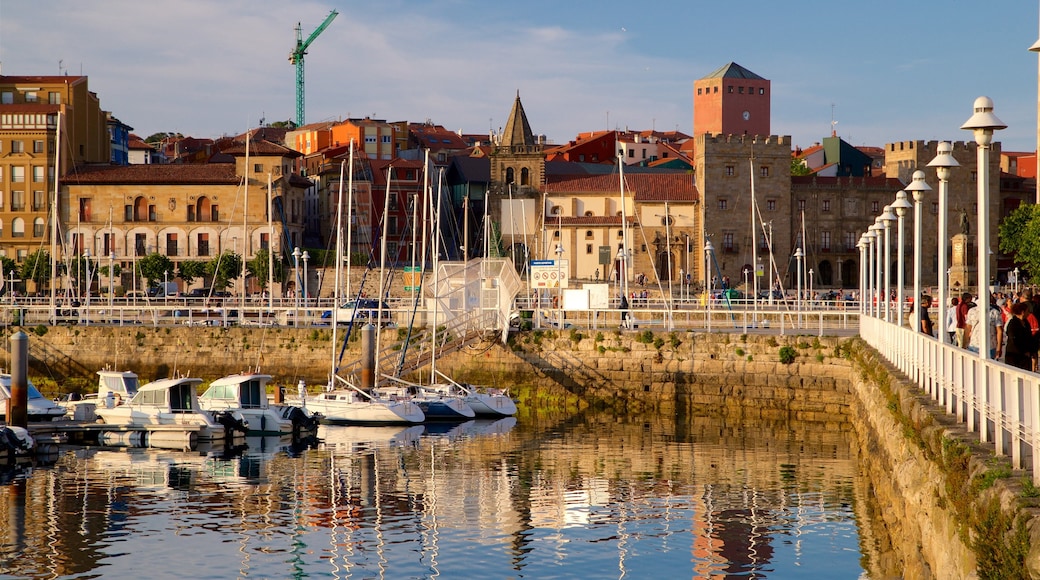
(1020, 235)
(259, 270)
(154, 267)
(37, 267)
(158, 137)
(190, 270)
(798, 167)
(223, 268)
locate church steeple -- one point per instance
(517, 135)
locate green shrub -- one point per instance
(40, 330)
(787, 355)
(740, 352)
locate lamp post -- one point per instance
(943, 164)
(811, 297)
(901, 204)
(708, 249)
(296, 275)
(86, 256)
(111, 275)
(798, 255)
(166, 284)
(879, 238)
(1015, 273)
(983, 123)
(306, 291)
(559, 285)
(917, 187)
(887, 217)
(862, 244)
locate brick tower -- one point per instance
(731, 101)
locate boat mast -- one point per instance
(270, 246)
(54, 222)
(339, 267)
(623, 270)
(754, 242)
(350, 205)
(382, 269)
(435, 224)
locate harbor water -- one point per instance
(586, 496)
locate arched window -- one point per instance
(510, 177)
(38, 227)
(525, 176)
(557, 210)
(203, 209)
(18, 228)
(141, 209)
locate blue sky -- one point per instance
(890, 70)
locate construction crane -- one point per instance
(296, 58)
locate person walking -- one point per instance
(926, 319)
(981, 315)
(1020, 343)
(951, 319)
(962, 313)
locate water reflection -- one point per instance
(585, 496)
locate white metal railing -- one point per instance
(999, 402)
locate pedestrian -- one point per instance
(978, 314)
(951, 319)
(962, 313)
(624, 311)
(926, 320)
(1020, 343)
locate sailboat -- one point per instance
(343, 401)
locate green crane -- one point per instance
(296, 58)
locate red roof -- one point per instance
(153, 174)
(644, 186)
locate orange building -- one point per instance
(731, 101)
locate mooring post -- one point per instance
(18, 409)
(368, 357)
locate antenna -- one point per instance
(834, 133)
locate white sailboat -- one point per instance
(246, 395)
(342, 401)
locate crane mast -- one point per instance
(296, 58)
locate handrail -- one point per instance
(998, 402)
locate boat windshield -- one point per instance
(122, 385)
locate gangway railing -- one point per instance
(997, 402)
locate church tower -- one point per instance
(518, 158)
(731, 101)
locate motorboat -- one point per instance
(351, 405)
(246, 395)
(485, 401)
(40, 408)
(437, 404)
(172, 402)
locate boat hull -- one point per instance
(360, 412)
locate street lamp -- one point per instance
(166, 285)
(798, 255)
(917, 187)
(296, 275)
(879, 238)
(887, 217)
(901, 204)
(86, 256)
(1015, 273)
(559, 285)
(862, 244)
(811, 297)
(111, 275)
(306, 291)
(943, 164)
(708, 249)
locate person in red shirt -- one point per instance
(962, 313)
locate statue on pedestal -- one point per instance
(965, 225)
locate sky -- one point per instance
(882, 71)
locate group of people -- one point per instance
(1013, 321)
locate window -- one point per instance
(729, 89)
(764, 171)
(265, 242)
(38, 228)
(727, 243)
(826, 205)
(17, 174)
(730, 170)
(258, 168)
(974, 176)
(875, 207)
(18, 228)
(18, 200)
(191, 213)
(825, 241)
(620, 234)
(723, 204)
(17, 147)
(38, 174)
(203, 244)
(631, 153)
(110, 244)
(850, 241)
(38, 146)
(716, 89)
(140, 244)
(171, 244)
(771, 204)
(386, 138)
(740, 90)
(216, 213)
(370, 138)
(151, 213)
(128, 213)
(39, 201)
(763, 243)
(588, 234)
(54, 98)
(588, 248)
(801, 205)
(30, 96)
(935, 208)
(7, 98)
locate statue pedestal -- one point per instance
(962, 276)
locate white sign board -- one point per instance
(549, 273)
(575, 299)
(599, 296)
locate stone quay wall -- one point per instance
(935, 504)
